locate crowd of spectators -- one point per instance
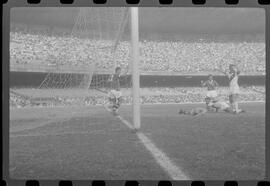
(164, 55)
(18, 101)
(148, 96)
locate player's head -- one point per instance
(210, 77)
(118, 70)
(207, 100)
(232, 67)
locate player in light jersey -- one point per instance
(234, 90)
(211, 93)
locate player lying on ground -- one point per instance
(220, 106)
(253, 88)
(211, 93)
(217, 105)
(115, 95)
(194, 112)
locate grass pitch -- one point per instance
(90, 143)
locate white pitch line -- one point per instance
(125, 122)
(162, 159)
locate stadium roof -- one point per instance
(176, 20)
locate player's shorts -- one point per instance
(233, 98)
(234, 90)
(115, 94)
(211, 94)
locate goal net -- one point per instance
(99, 42)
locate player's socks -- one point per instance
(237, 110)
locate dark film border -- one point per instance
(8, 4)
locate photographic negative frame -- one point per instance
(12, 4)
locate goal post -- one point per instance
(135, 67)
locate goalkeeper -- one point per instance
(115, 95)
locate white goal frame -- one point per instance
(135, 66)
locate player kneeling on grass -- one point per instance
(115, 95)
(115, 100)
(211, 93)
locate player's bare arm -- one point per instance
(220, 69)
(225, 72)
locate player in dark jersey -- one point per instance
(115, 95)
(211, 94)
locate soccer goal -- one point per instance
(101, 39)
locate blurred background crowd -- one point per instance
(195, 55)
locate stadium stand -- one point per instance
(184, 55)
(194, 55)
(155, 95)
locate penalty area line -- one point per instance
(161, 158)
